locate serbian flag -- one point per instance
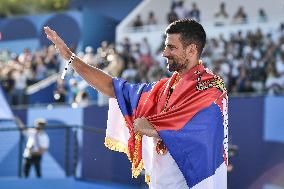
(193, 126)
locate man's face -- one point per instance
(175, 53)
(39, 127)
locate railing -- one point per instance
(41, 84)
(70, 134)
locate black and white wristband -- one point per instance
(67, 65)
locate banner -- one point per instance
(5, 111)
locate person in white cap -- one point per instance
(37, 144)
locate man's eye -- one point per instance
(169, 47)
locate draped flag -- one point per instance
(192, 123)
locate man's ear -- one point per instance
(191, 49)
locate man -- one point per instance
(178, 125)
(37, 144)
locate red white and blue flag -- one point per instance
(193, 127)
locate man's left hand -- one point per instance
(144, 127)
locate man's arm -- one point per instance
(95, 77)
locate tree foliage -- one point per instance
(19, 7)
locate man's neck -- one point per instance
(189, 67)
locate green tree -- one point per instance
(20, 7)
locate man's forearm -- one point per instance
(94, 77)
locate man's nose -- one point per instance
(165, 53)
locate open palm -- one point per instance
(60, 45)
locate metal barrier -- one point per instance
(69, 143)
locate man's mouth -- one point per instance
(170, 60)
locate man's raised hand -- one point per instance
(60, 45)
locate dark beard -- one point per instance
(175, 66)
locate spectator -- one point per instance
(60, 92)
(222, 68)
(279, 34)
(40, 68)
(115, 67)
(154, 73)
(74, 90)
(146, 60)
(82, 99)
(145, 48)
(151, 19)
(194, 13)
(272, 84)
(103, 52)
(8, 84)
(262, 16)
(281, 31)
(50, 61)
(37, 145)
(172, 16)
(280, 68)
(29, 73)
(20, 86)
(257, 76)
(130, 73)
(100, 58)
(105, 47)
(243, 82)
(89, 56)
(240, 17)
(142, 72)
(180, 10)
(221, 17)
(138, 22)
(136, 52)
(26, 56)
(126, 45)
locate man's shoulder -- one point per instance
(159, 84)
(29, 131)
(162, 81)
(210, 80)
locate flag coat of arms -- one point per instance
(192, 123)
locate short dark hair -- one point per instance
(191, 32)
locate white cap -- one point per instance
(89, 49)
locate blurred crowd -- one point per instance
(251, 62)
(248, 62)
(179, 11)
(17, 72)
